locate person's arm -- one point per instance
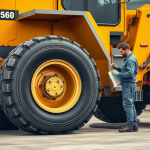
(114, 66)
(130, 70)
(119, 69)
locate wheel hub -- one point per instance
(56, 86)
(53, 86)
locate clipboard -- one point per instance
(115, 79)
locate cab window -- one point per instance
(78, 5)
(105, 12)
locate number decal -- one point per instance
(2, 14)
(8, 14)
(12, 15)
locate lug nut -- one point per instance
(45, 77)
(50, 81)
(62, 86)
(58, 81)
(49, 89)
(57, 93)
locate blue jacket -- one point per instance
(129, 69)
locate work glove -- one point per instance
(115, 73)
(114, 66)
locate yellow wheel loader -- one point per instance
(55, 56)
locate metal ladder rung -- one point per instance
(119, 56)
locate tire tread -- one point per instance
(8, 67)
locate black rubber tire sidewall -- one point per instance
(110, 109)
(5, 123)
(26, 67)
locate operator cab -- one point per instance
(105, 12)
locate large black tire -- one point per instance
(15, 86)
(146, 94)
(5, 123)
(110, 109)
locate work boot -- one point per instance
(126, 129)
(135, 128)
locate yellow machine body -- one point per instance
(79, 27)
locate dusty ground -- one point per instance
(84, 139)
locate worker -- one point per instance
(127, 76)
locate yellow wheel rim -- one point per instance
(56, 86)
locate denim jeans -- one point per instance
(128, 90)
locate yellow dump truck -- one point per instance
(55, 56)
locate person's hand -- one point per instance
(115, 73)
(114, 66)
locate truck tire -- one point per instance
(5, 123)
(146, 94)
(110, 109)
(49, 85)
